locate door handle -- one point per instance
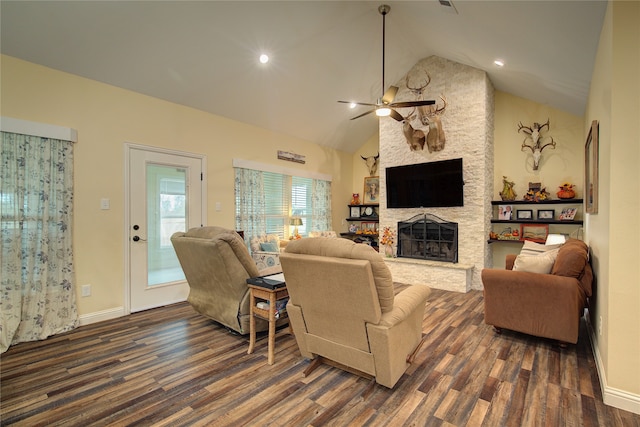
(138, 239)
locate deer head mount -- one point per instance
(537, 141)
(372, 163)
(429, 115)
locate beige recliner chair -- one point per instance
(342, 308)
(217, 264)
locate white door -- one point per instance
(165, 196)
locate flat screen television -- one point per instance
(425, 185)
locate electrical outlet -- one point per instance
(86, 290)
(600, 326)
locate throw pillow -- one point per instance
(533, 248)
(269, 247)
(541, 263)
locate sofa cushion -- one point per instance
(269, 247)
(541, 263)
(571, 260)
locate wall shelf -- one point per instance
(533, 208)
(537, 221)
(544, 202)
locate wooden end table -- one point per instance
(270, 295)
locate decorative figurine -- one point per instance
(355, 199)
(508, 193)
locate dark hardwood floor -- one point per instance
(171, 366)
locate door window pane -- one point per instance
(166, 214)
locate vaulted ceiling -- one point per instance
(204, 54)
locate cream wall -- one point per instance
(106, 118)
(559, 165)
(360, 170)
(614, 232)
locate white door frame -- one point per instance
(127, 221)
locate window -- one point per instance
(281, 198)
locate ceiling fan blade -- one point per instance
(363, 114)
(358, 103)
(389, 95)
(411, 104)
(396, 115)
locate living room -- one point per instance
(106, 117)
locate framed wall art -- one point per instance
(534, 232)
(371, 190)
(591, 170)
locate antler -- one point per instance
(439, 110)
(417, 91)
(521, 127)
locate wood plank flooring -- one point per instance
(172, 367)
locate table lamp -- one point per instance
(295, 222)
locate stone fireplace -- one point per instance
(428, 237)
(467, 124)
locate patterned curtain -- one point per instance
(321, 205)
(36, 205)
(250, 202)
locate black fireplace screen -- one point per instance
(427, 236)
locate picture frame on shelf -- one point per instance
(524, 214)
(354, 212)
(591, 148)
(546, 214)
(534, 232)
(568, 214)
(505, 212)
(371, 190)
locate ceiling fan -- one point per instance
(385, 106)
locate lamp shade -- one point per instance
(295, 221)
(555, 239)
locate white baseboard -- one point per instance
(611, 396)
(99, 316)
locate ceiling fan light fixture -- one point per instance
(383, 111)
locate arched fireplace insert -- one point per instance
(429, 237)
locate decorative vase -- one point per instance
(388, 251)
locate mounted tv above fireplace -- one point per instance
(425, 185)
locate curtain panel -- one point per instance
(36, 207)
(250, 202)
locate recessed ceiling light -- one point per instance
(352, 105)
(498, 63)
(264, 58)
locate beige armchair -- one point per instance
(342, 308)
(217, 264)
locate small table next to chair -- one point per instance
(269, 289)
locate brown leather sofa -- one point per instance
(343, 309)
(217, 264)
(544, 305)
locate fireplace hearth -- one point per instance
(428, 237)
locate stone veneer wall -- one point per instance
(468, 126)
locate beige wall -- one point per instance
(106, 118)
(565, 163)
(614, 232)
